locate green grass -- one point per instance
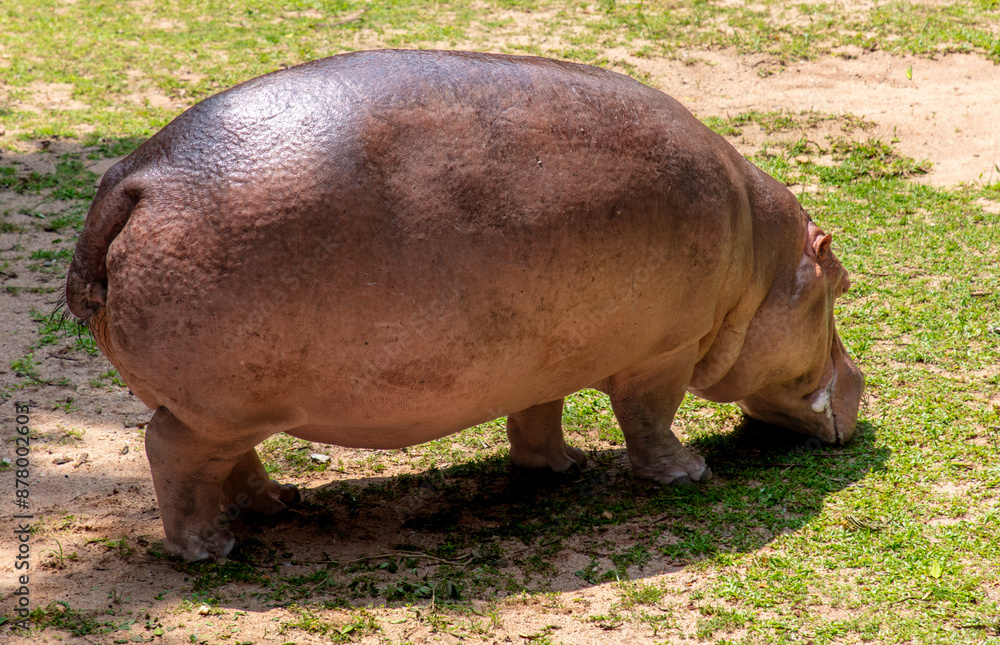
(119, 73)
(59, 615)
(362, 624)
(896, 530)
(26, 368)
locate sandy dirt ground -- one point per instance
(90, 484)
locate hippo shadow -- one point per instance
(482, 529)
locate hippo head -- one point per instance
(793, 370)
(810, 384)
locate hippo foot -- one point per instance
(536, 439)
(212, 546)
(692, 468)
(288, 494)
(685, 479)
(250, 489)
(277, 498)
(560, 459)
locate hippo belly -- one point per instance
(382, 248)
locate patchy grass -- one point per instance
(903, 517)
(59, 615)
(109, 72)
(284, 453)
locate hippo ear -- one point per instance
(821, 246)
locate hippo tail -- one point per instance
(87, 281)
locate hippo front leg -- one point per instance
(536, 439)
(645, 403)
(188, 474)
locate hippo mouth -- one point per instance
(838, 398)
(829, 412)
(846, 388)
(821, 402)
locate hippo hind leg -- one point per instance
(188, 474)
(536, 439)
(248, 488)
(645, 405)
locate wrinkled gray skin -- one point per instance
(382, 248)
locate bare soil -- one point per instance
(947, 114)
(90, 484)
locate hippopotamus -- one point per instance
(381, 248)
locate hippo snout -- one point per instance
(834, 406)
(829, 412)
(845, 397)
